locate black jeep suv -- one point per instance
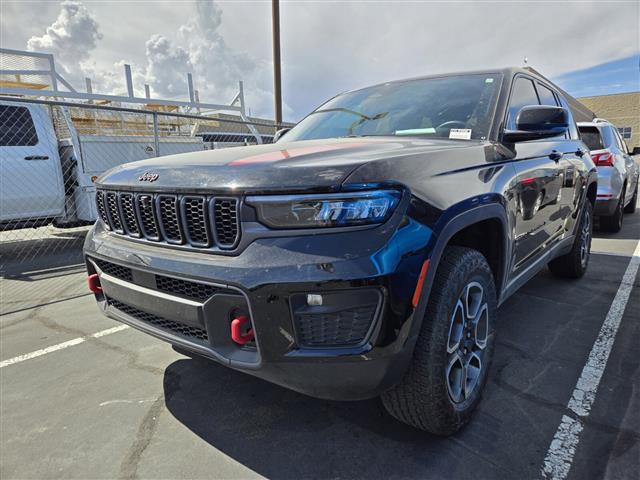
(367, 251)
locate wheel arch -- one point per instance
(463, 230)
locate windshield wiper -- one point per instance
(353, 112)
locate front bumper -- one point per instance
(266, 282)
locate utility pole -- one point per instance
(277, 85)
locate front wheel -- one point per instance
(443, 384)
(574, 264)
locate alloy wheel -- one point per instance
(466, 343)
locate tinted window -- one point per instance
(546, 96)
(591, 137)
(621, 143)
(609, 139)
(428, 107)
(16, 127)
(523, 94)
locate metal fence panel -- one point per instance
(50, 155)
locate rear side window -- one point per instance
(523, 94)
(591, 137)
(546, 96)
(609, 139)
(621, 142)
(16, 127)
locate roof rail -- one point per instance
(600, 120)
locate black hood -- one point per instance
(294, 166)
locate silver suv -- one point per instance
(617, 172)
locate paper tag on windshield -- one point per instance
(460, 133)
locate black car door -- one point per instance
(538, 189)
(572, 170)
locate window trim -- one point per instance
(505, 115)
(33, 123)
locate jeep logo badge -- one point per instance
(148, 177)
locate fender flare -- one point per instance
(443, 236)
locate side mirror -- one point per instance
(279, 134)
(534, 122)
(635, 151)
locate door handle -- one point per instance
(555, 156)
(36, 157)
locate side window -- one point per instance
(573, 128)
(16, 127)
(546, 96)
(621, 143)
(522, 94)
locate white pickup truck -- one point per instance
(46, 177)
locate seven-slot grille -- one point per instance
(194, 220)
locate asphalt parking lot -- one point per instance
(120, 404)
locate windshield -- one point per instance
(459, 107)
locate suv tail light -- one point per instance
(603, 159)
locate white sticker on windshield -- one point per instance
(460, 133)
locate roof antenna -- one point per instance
(526, 61)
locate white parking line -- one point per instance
(559, 458)
(61, 346)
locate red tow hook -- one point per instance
(94, 283)
(236, 331)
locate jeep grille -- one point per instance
(197, 221)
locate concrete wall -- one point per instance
(622, 109)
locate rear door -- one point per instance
(30, 174)
(631, 166)
(538, 184)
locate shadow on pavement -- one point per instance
(281, 434)
(29, 259)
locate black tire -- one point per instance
(574, 264)
(424, 398)
(631, 208)
(613, 223)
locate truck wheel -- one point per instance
(631, 208)
(613, 223)
(444, 381)
(574, 264)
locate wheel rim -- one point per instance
(585, 246)
(466, 343)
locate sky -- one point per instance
(587, 47)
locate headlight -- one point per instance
(325, 210)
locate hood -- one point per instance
(293, 166)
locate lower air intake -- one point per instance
(176, 328)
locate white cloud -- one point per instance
(167, 66)
(71, 37)
(199, 48)
(327, 47)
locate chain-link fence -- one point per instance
(50, 155)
